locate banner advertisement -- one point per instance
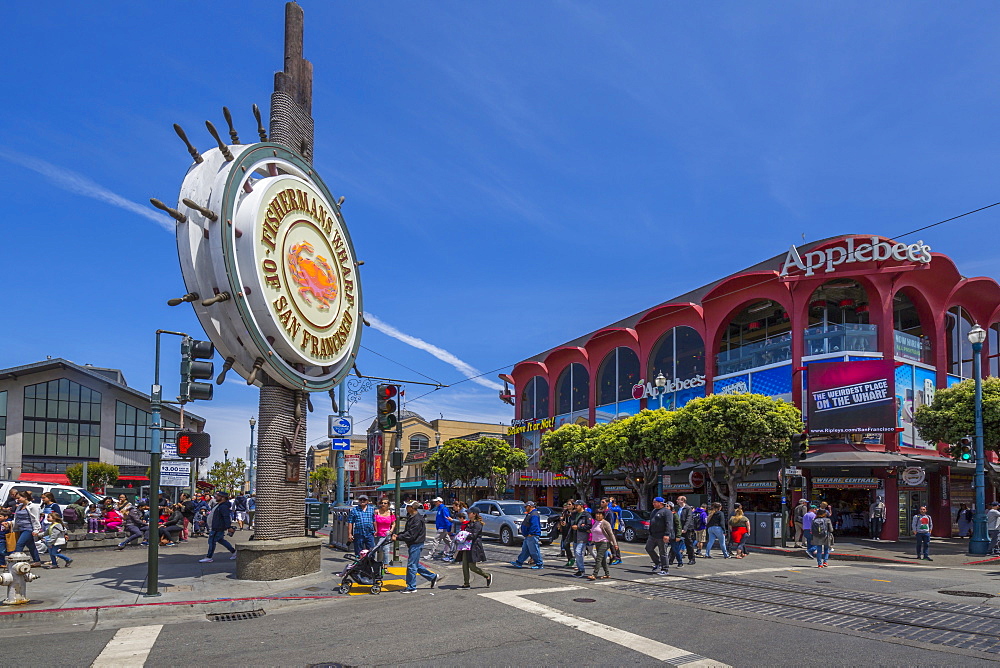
(915, 387)
(847, 397)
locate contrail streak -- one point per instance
(81, 185)
(439, 353)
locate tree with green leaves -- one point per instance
(638, 446)
(459, 460)
(951, 415)
(228, 476)
(731, 433)
(99, 474)
(498, 460)
(323, 480)
(572, 450)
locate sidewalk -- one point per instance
(104, 583)
(944, 552)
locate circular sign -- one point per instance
(267, 256)
(696, 479)
(913, 475)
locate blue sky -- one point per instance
(516, 174)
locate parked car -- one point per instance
(502, 519)
(634, 525)
(64, 494)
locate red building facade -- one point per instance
(847, 298)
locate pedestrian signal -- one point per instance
(194, 445)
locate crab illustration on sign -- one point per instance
(313, 275)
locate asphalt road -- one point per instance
(764, 610)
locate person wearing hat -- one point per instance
(414, 534)
(993, 526)
(219, 522)
(531, 529)
(797, 513)
(361, 526)
(442, 545)
(661, 534)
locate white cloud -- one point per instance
(81, 185)
(439, 353)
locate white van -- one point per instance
(64, 494)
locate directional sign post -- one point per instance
(340, 443)
(340, 426)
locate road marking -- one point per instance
(874, 580)
(658, 650)
(129, 647)
(753, 570)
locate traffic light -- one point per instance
(800, 444)
(388, 407)
(194, 444)
(192, 370)
(964, 451)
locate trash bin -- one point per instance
(763, 529)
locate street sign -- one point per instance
(175, 474)
(793, 471)
(340, 444)
(339, 426)
(352, 464)
(169, 451)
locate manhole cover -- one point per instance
(585, 600)
(825, 582)
(313, 588)
(170, 588)
(976, 594)
(235, 616)
(783, 577)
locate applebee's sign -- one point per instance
(643, 390)
(856, 249)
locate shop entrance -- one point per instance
(909, 506)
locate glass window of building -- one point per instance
(61, 419)
(838, 320)
(573, 389)
(418, 442)
(957, 325)
(535, 399)
(132, 430)
(908, 331)
(678, 355)
(3, 419)
(758, 335)
(992, 349)
(618, 373)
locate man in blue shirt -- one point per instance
(531, 529)
(361, 526)
(442, 544)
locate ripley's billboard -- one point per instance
(851, 397)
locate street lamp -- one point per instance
(979, 544)
(252, 455)
(437, 476)
(660, 381)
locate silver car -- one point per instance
(502, 519)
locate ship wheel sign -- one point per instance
(268, 264)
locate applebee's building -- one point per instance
(848, 298)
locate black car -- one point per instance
(634, 525)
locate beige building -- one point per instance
(420, 439)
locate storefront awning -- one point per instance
(411, 485)
(51, 478)
(856, 460)
(934, 459)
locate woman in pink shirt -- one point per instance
(601, 536)
(383, 527)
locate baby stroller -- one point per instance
(365, 569)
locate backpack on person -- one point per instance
(820, 528)
(70, 516)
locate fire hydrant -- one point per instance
(17, 577)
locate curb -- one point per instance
(16, 618)
(868, 558)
